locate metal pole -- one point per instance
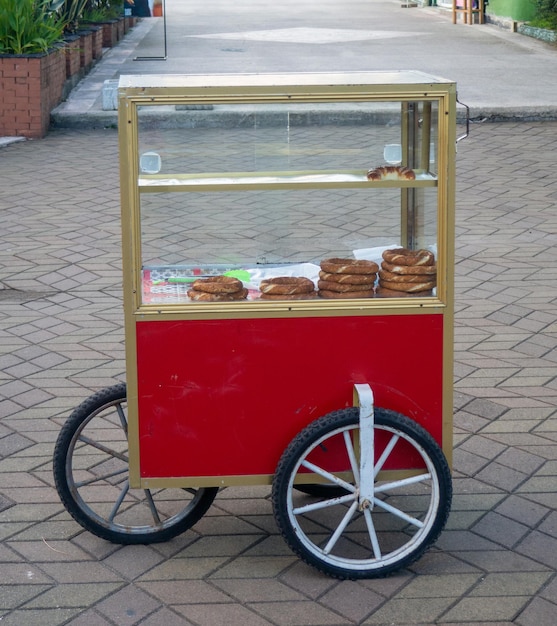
(163, 58)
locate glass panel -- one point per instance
(259, 192)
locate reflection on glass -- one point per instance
(392, 153)
(150, 163)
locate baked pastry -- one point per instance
(407, 272)
(287, 288)
(347, 278)
(217, 289)
(391, 172)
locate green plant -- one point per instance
(101, 10)
(30, 26)
(546, 14)
(72, 13)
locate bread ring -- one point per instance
(350, 279)
(203, 296)
(329, 285)
(420, 270)
(403, 256)
(382, 292)
(286, 285)
(293, 296)
(349, 266)
(409, 287)
(391, 172)
(324, 293)
(404, 278)
(218, 284)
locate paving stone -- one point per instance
(94, 546)
(165, 617)
(72, 595)
(436, 586)
(90, 618)
(128, 606)
(184, 569)
(13, 443)
(511, 583)
(194, 591)
(459, 540)
(351, 600)
(260, 567)
(486, 609)
(502, 561)
(410, 611)
(212, 546)
(301, 577)
(500, 529)
(80, 572)
(502, 477)
(538, 613)
(55, 550)
(13, 596)
(468, 463)
(541, 547)
(257, 590)
(38, 617)
(133, 561)
(230, 614)
(443, 563)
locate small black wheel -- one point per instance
(91, 475)
(332, 531)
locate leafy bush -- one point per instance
(72, 13)
(101, 10)
(546, 14)
(30, 26)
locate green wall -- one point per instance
(519, 10)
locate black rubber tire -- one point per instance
(90, 473)
(401, 540)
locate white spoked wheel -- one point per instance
(90, 466)
(342, 534)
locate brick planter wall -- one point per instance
(86, 49)
(110, 33)
(120, 27)
(30, 87)
(97, 42)
(73, 62)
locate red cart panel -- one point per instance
(225, 397)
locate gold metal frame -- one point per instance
(389, 87)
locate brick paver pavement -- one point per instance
(61, 337)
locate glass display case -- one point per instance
(258, 178)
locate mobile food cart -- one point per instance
(288, 296)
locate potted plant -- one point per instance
(105, 13)
(72, 14)
(32, 65)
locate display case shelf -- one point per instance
(274, 180)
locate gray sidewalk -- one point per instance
(61, 338)
(501, 75)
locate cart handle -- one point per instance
(467, 120)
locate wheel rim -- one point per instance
(97, 478)
(336, 533)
